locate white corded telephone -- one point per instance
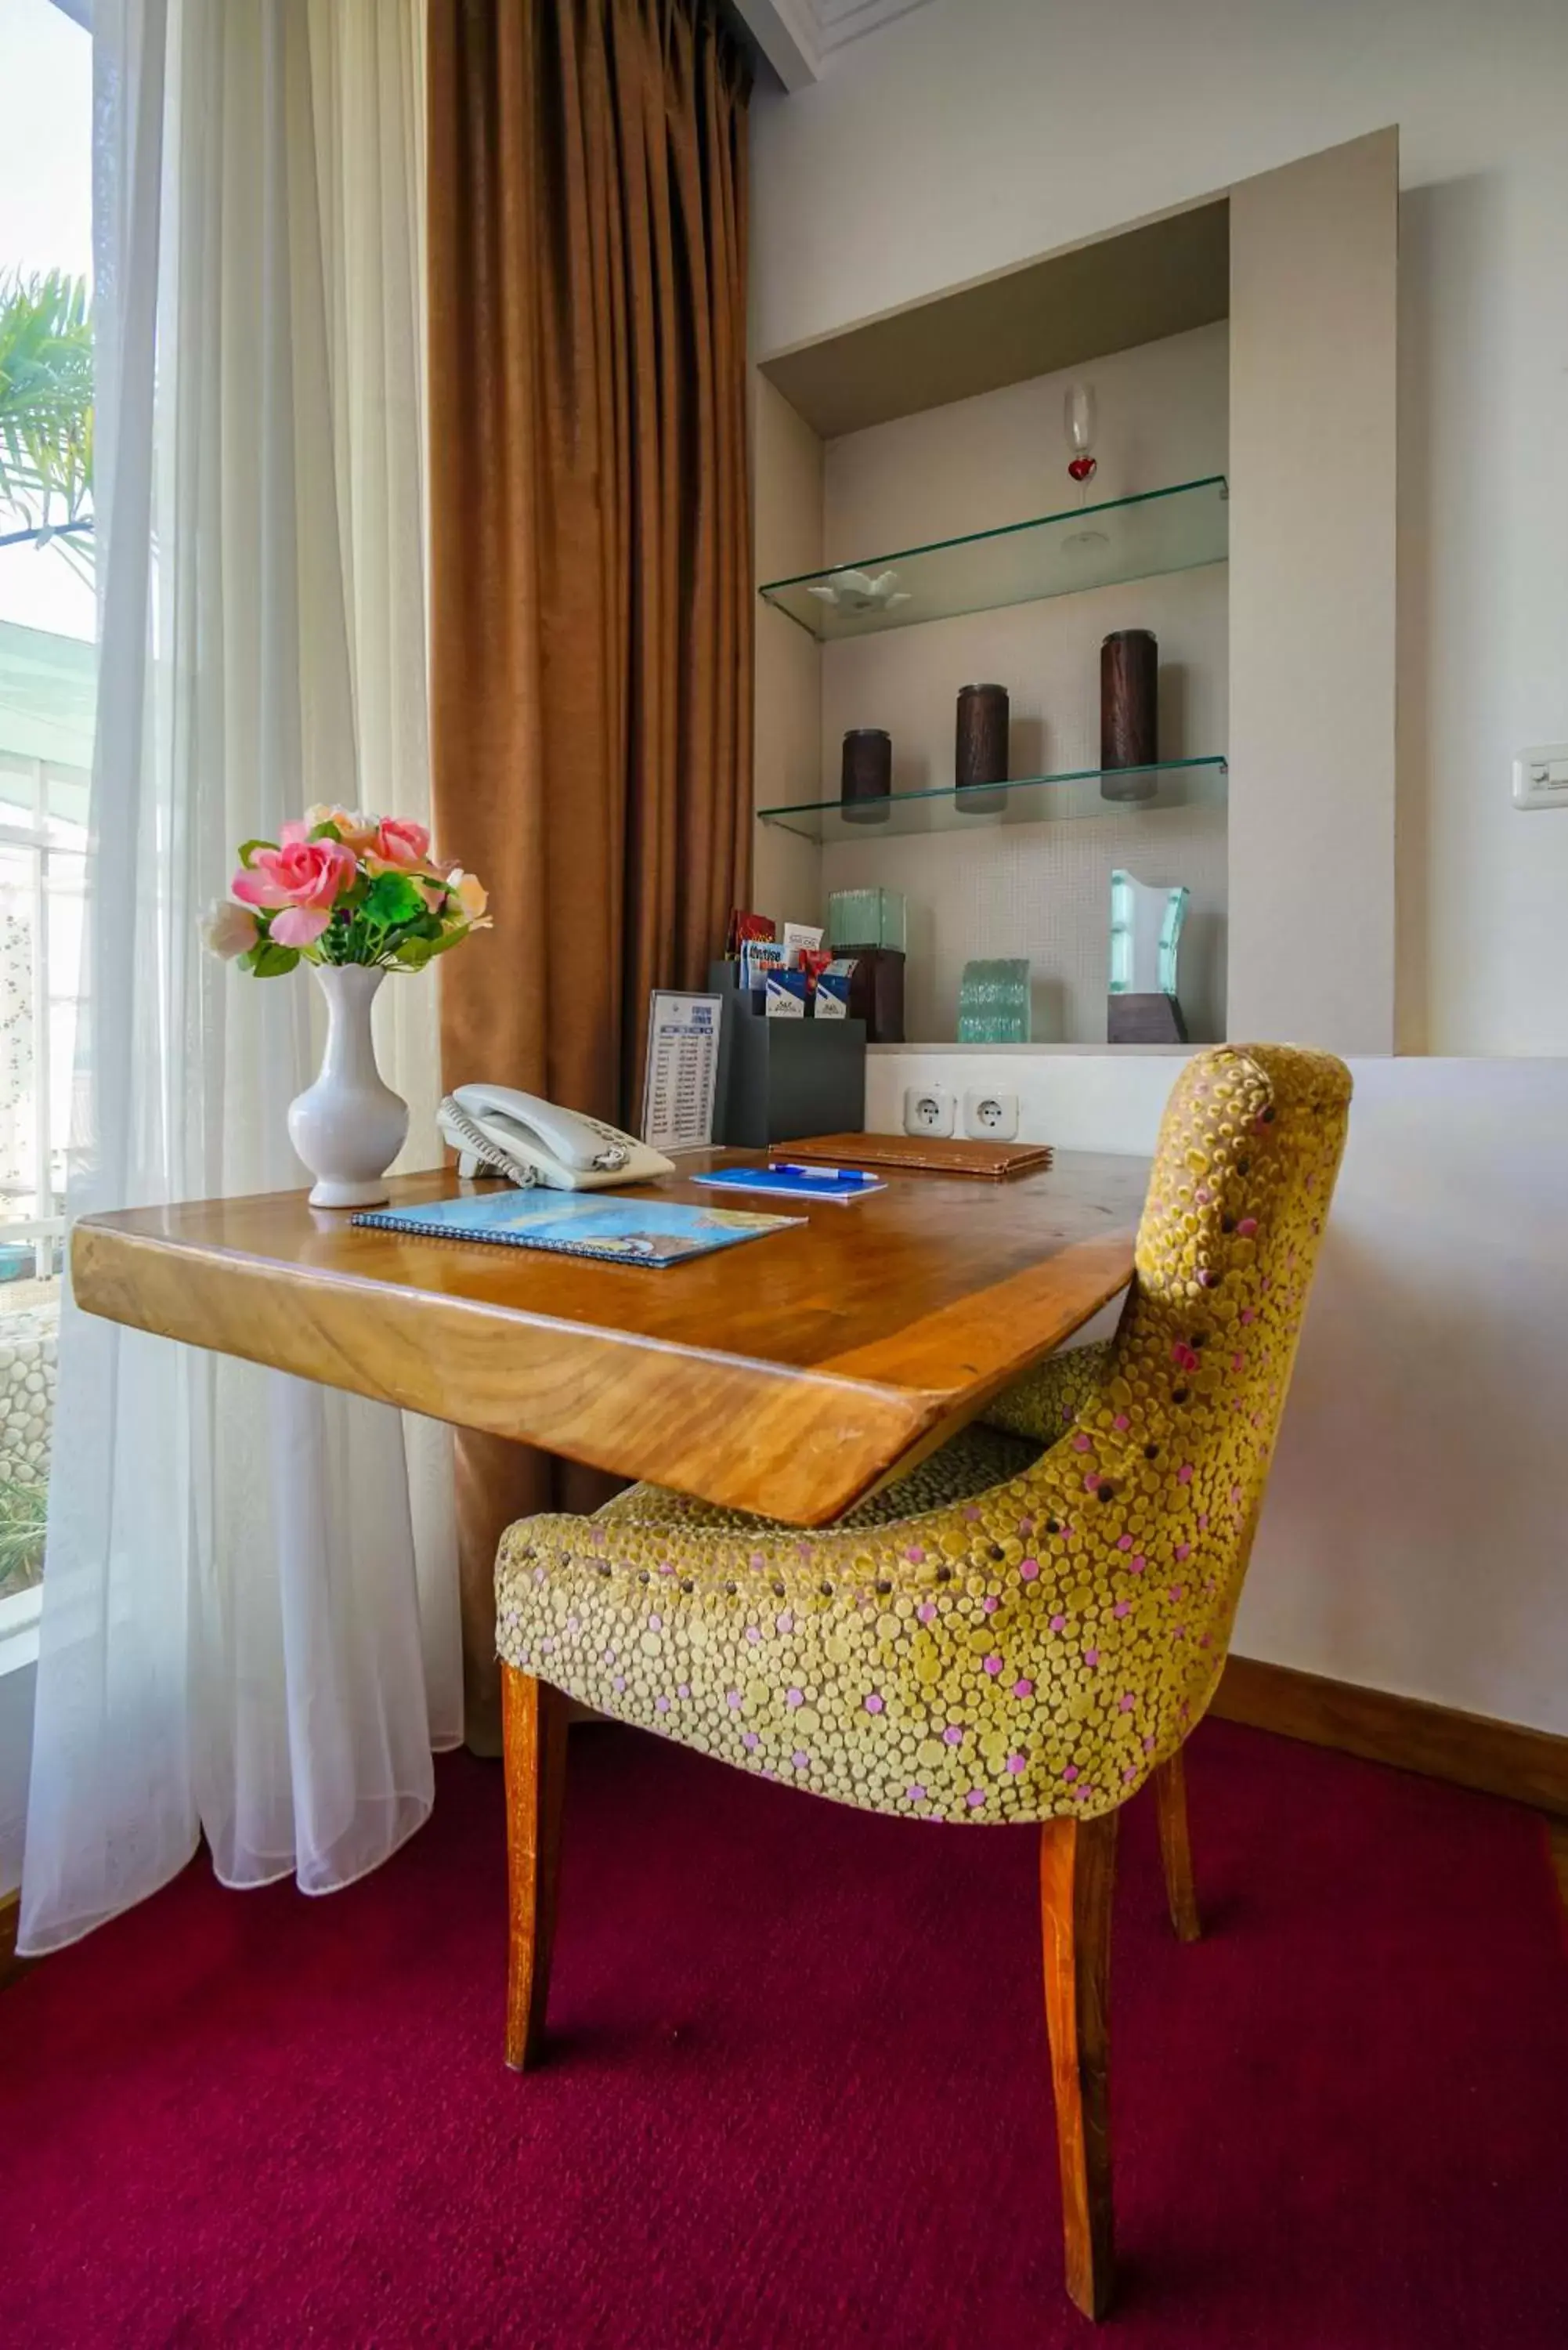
(531, 1141)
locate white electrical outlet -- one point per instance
(989, 1116)
(1541, 776)
(928, 1109)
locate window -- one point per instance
(46, 693)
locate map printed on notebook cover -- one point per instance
(620, 1231)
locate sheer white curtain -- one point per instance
(250, 1614)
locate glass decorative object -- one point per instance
(1080, 420)
(868, 926)
(1145, 933)
(993, 1002)
(866, 917)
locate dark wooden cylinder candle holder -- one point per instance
(866, 777)
(980, 748)
(1129, 712)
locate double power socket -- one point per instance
(988, 1117)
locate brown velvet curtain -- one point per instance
(590, 555)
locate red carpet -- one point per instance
(799, 2097)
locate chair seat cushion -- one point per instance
(977, 1457)
(1046, 1400)
(928, 1655)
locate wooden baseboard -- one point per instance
(1501, 1758)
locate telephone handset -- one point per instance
(531, 1141)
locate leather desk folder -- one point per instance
(925, 1154)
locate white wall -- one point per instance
(1315, 284)
(974, 134)
(1416, 1531)
(1040, 890)
(787, 539)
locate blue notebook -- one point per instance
(780, 1182)
(621, 1232)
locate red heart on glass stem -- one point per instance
(1081, 468)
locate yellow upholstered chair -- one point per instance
(1007, 1633)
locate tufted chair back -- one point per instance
(1168, 1431)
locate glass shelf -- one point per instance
(1054, 555)
(1023, 799)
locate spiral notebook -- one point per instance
(654, 1233)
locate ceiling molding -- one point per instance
(840, 21)
(797, 37)
(786, 32)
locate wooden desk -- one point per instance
(790, 1375)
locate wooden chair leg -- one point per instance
(1078, 1873)
(1175, 1851)
(534, 1746)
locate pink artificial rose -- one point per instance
(299, 926)
(401, 846)
(298, 885)
(230, 930)
(355, 831)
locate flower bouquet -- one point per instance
(343, 888)
(354, 896)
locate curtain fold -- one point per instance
(238, 1637)
(591, 653)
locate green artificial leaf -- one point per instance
(248, 849)
(392, 899)
(266, 961)
(324, 832)
(414, 952)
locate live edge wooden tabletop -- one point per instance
(790, 1375)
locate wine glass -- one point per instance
(1080, 420)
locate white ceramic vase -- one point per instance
(348, 1127)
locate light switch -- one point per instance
(1541, 776)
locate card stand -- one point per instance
(782, 1080)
